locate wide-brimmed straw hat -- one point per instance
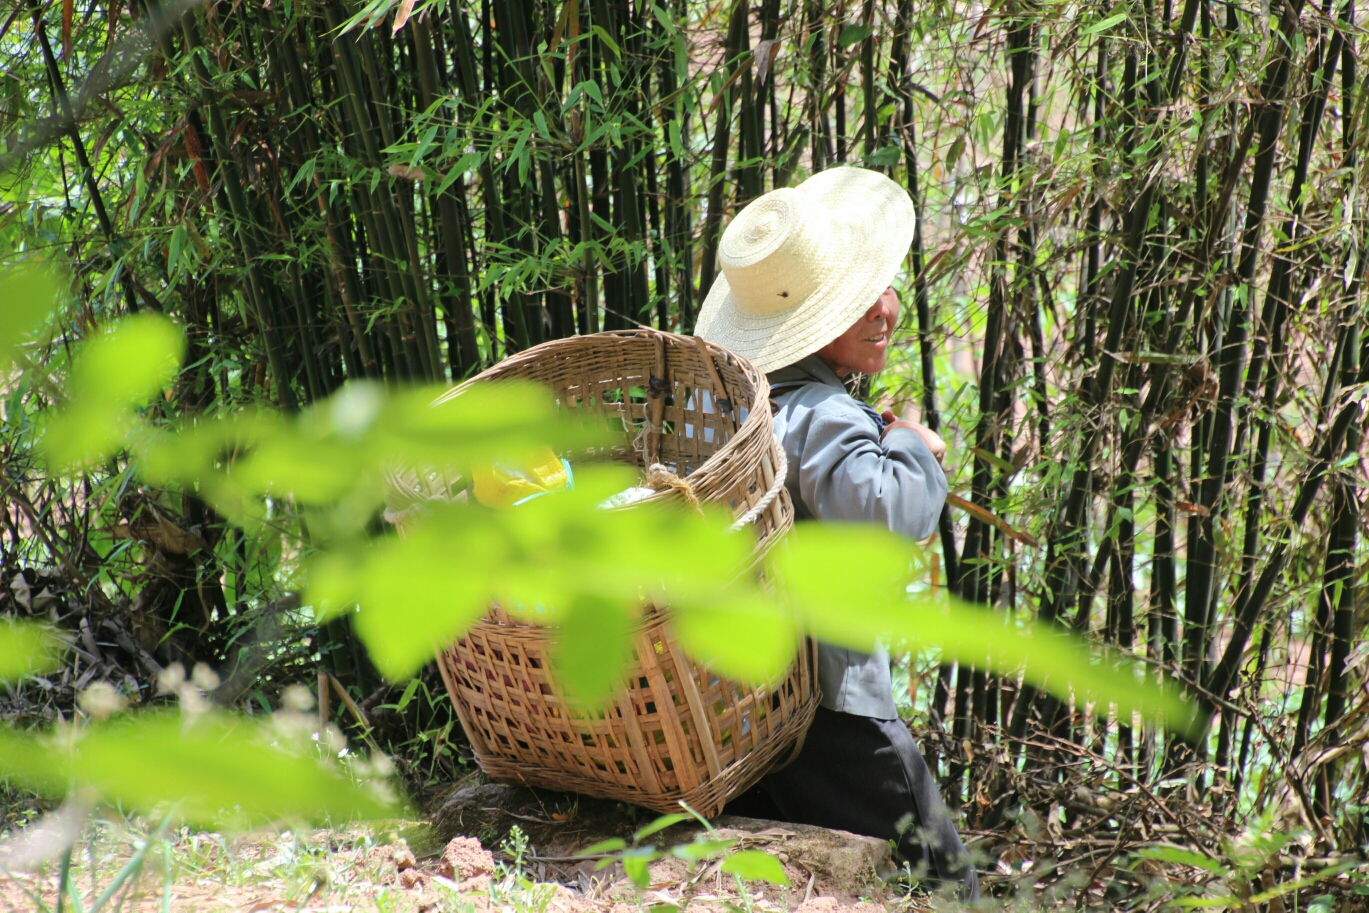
(801, 264)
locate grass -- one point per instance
(350, 868)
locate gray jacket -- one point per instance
(839, 469)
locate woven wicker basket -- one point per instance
(675, 731)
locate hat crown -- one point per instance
(774, 254)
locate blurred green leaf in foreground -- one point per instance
(216, 770)
(563, 561)
(755, 865)
(26, 649)
(28, 293)
(338, 457)
(848, 583)
(113, 374)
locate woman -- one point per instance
(806, 294)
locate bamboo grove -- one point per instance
(1135, 308)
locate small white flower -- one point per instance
(101, 701)
(297, 698)
(193, 702)
(204, 677)
(381, 765)
(171, 679)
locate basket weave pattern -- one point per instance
(674, 731)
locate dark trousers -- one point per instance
(866, 776)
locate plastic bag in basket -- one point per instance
(508, 485)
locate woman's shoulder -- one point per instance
(823, 402)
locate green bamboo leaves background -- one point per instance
(1135, 306)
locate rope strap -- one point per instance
(773, 492)
(658, 476)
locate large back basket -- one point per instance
(676, 731)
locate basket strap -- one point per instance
(761, 506)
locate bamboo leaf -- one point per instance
(852, 34)
(607, 39)
(402, 15)
(1105, 24)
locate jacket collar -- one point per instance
(808, 370)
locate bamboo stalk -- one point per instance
(1202, 564)
(1345, 509)
(63, 105)
(712, 229)
(247, 232)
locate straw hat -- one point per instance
(801, 264)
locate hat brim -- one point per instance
(871, 222)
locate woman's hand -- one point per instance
(929, 437)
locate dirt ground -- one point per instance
(399, 867)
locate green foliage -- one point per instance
(560, 560)
(657, 826)
(212, 770)
(753, 865)
(867, 600)
(852, 34)
(591, 648)
(28, 294)
(750, 637)
(336, 457)
(636, 858)
(1233, 871)
(113, 374)
(26, 648)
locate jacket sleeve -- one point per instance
(846, 473)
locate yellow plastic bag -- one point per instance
(507, 485)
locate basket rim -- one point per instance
(758, 418)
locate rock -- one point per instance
(411, 878)
(842, 866)
(467, 863)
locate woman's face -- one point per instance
(863, 349)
